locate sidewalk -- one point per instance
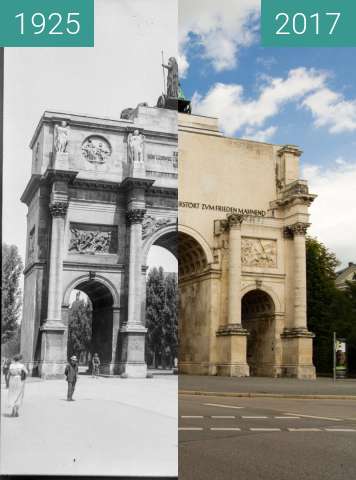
(115, 427)
(256, 386)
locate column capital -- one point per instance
(136, 215)
(235, 220)
(58, 209)
(299, 228)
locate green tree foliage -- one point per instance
(80, 327)
(12, 268)
(161, 318)
(329, 309)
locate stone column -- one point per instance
(133, 332)
(234, 300)
(114, 365)
(297, 340)
(135, 218)
(53, 356)
(232, 341)
(300, 276)
(58, 211)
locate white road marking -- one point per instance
(304, 429)
(318, 418)
(265, 429)
(288, 418)
(340, 430)
(223, 416)
(253, 417)
(191, 428)
(221, 406)
(225, 429)
(191, 416)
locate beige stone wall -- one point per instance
(219, 176)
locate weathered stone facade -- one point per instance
(102, 192)
(243, 216)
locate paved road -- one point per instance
(115, 427)
(287, 386)
(265, 438)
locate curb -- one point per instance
(267, 395)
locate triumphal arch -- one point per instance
(243, 217)
(101, 193)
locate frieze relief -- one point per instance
(151, 224)
(258, 252)
(92, 239)
(96, 149)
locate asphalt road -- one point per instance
(265, 438)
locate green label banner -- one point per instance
(308, 23)
(47, 23)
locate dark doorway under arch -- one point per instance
(101, 301)
(258, 318)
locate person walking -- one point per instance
(71, 373)
(95, 365)
(5, 371)
(17, 376)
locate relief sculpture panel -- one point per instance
(92, 239)
(259, 252)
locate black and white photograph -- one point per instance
(89, 328)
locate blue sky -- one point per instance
(302, 96)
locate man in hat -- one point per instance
(71, 373)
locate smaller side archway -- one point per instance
(258, 318)
(102, 297)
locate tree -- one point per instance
(12, 268)
(328, 308)
(161, 318)
(80, 327)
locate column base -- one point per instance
(233, 370)
(133, 351)
(53, 350)
(298, 354)
(47, 370)
(231, 351)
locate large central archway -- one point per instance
(195, 326)
(160, 300)
(258, 318)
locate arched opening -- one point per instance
(258, 318)
(194, 308)
(161, 312)
(90, 323)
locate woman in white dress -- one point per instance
(17, 377)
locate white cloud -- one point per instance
(330, 109)
(259, 135)
(221, 27)
(227, 102)
(333, 212)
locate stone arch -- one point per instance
(85, 278)
(165, 237)
(199, 239)
(269, 291)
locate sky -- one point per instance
(305, 97)
(122, 70)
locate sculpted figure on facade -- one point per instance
(135, 142)
(61, 134)
(150, 225)
(83, 241)
(172, 78)
(96, 150)
(256, 252)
